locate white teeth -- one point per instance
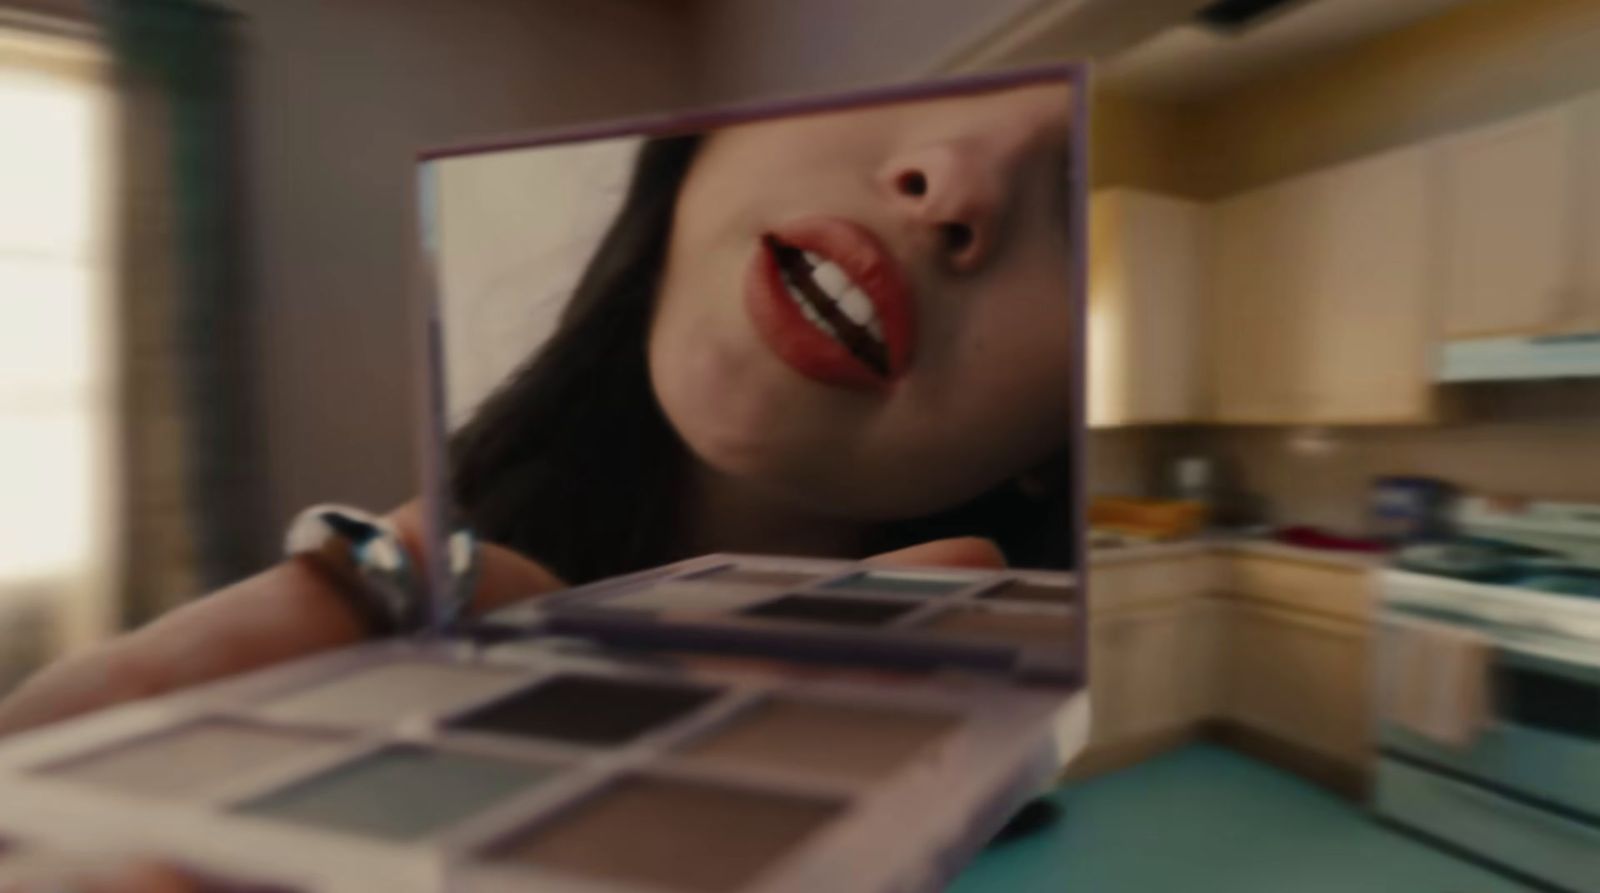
(856, 306)
(838, 286)
(831, 279)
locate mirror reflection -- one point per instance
(834, 334)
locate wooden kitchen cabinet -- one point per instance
(1152, 673)
(1297, 677)
(1586, 113)
(1233, 643)
(1509, 222)
(1256, 331)
(1146, 282)
(1322, 297)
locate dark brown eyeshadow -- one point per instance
(1023, 591)
(588, 710)
(827, 609)
(672, 835)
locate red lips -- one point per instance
(797, 341)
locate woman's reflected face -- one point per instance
(867, 313)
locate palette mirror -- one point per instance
(831, 329)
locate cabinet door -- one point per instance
(1587, 315)
(1256, 323)
(1366, 289)
(1508, 225)
(1166, 276)
(1298, 678)
(1151, 672)
(1145, 286)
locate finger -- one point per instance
(505, 576)
(961, 551)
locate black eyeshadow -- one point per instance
(826, 609)
(587, 710)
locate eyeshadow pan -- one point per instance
(1003, 626)
(401, 793)
(844, 740)
(902, 583)
(379, 695)
(589, 710)
(671, 835)
(194, 761)
(1024, 591)
(756, 576)
(830, 609)
(692, 595)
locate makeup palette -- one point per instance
(523, 755)
(1021, 624)
(726, 724)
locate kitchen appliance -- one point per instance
(1574, 355)
(1408, 508)
(1524, 796)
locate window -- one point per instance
(55, 330)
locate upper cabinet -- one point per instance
(1255, 323)
(1146, 277)
(1325, 299)
(1322, 297)
(1508, 217)
(1586, 171)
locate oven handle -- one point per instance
(1496, 803)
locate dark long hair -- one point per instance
(571, 461)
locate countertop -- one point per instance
(1223, 543)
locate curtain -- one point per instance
(187, 449)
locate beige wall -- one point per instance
(1471, 65)
(754, 48)
(339, 96)
(1137, 142)
(1535, 440)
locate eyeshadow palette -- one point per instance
(550, 764)
(1026, 624)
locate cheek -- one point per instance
(1015, 368)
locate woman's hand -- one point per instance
(289, 611)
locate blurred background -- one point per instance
(1344, 340)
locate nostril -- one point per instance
(957, 236)
(912, 183)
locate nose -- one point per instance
(954, 193)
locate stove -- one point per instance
(1524, 795)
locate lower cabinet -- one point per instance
(1298, 677)
(1152, 672)
(1177, 646)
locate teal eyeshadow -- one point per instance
(402, 793)
(870, 581)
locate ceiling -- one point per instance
(1187, 62)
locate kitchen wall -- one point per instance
(1539, 440)
(756, 48)
(338, 97)
(1473, 64)
(1470, 65)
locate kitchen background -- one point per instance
(1303, 212)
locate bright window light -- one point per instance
(54, 403)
